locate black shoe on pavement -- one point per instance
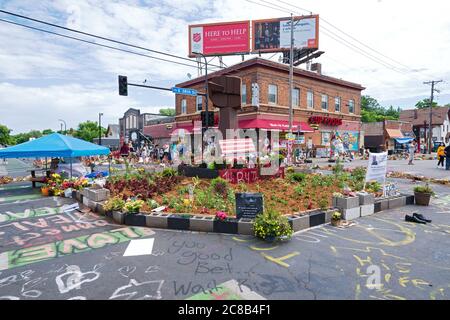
(421, 217)
(414, 219)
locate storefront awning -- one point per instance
(274, 125)
(404, 140)
(394, 133)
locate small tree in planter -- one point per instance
(422, 194)
(271, 226)
(133, 206)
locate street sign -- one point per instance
(189, 92)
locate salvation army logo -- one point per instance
(197, 37)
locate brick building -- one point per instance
(322, 105)
(388, 135)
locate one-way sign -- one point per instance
(189, 92)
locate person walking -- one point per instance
(447, 157)
(441, 155)
(412, 150)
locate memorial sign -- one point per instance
(249, 205)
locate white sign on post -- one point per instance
(377, 167)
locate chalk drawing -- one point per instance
(73, 278)
(139, 291)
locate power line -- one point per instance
(96, 36)
(97, 44)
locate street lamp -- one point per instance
(65, 126)
(206, 88)
(100, 128)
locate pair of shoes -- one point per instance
(421, 217)
(414, 219)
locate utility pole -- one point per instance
(100, 129)
(430, 132)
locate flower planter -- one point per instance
(329, 215)
(367, 209)
(156, 220)
(316, 218)
(109, 214)
(396, 202)
(119, 217)
(135, 219)
(365, 198)
(178, 222)
(204, 224)
(422, 199)
(347, 202)
(409, 199)
(298, 222)
(205, 173)
(226, 226)
(350, 214)
(336, 223)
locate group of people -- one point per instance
(443, 153)
(146, 152)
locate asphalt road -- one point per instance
(46, 253)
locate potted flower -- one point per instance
(225, 224)
(423, 194)
(133, 206)
(271, 226)
(114, 204)
(45, 190)
(336, 218)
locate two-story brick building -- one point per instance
(331, 104)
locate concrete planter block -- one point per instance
(299, 222)
(365, 198)
(350, 214)
(119, 217)
(347, 203)
(226, 226)
(409, 199)
(100, 208)
(157, 220)
(397, 202)
(85, 201)
(203, 224)
(178, 222)
(98, 194)
(383, 204)
(377, 207)
(316, 218)
(135, 219)
(245, 226)
(367, 209)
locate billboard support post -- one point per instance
(291, 84)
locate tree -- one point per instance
(372, 111)
(25, 136)
(5, 137)
(47, 131)
(425, 103)
(370, 104)
(170, 112)
(88, 131)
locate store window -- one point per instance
(199, 103)
(273, 92)
(183, 106)
(243, 94)
(337, 104)
(325, 102)
(296, 97)
(351, 106)
(310, 99)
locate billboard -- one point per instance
(274, 35)
(218, 39)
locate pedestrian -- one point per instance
(447, 157)
(412, 150)
(441, 155)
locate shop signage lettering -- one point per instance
(325, 120)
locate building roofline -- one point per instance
(273, 65)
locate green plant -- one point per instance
(338, 168)
(169, 172)
(296, 177)
(114, 204)
(298, 189)
(323, 203)
(242, 187)
(133, 206)
(272, 224)
(424, 189)
(220, 186)
(373, 186)
(336, 216)
(152, 204)
(358, 174)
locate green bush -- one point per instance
(114, 204)
(220, 186)
(359, 174)
(272, 224)
(338, 168)
(424, 189)
(169, 172)
(296, 177)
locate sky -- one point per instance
(45, 78)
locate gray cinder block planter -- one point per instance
(347, 203)
(204, 224)
(316, 218)
(226, 226)
(119, 217)
(409, 199)
(157, 220)
(298, 222)
(245, 226)
(97, 195)
(178, 222)
(397, 202)
(135, 219)
(367, 209)
(383, 204)
(350, 214)
(365, 198)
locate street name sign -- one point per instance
(189, 92)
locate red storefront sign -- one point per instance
(325, 120)
(219, 38)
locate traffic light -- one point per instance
(123, 86)
(210, 118)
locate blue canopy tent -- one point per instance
(404, 140)
(54, 145)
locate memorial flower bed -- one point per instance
(295, 193)
(55, 185)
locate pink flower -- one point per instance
(221, 215)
